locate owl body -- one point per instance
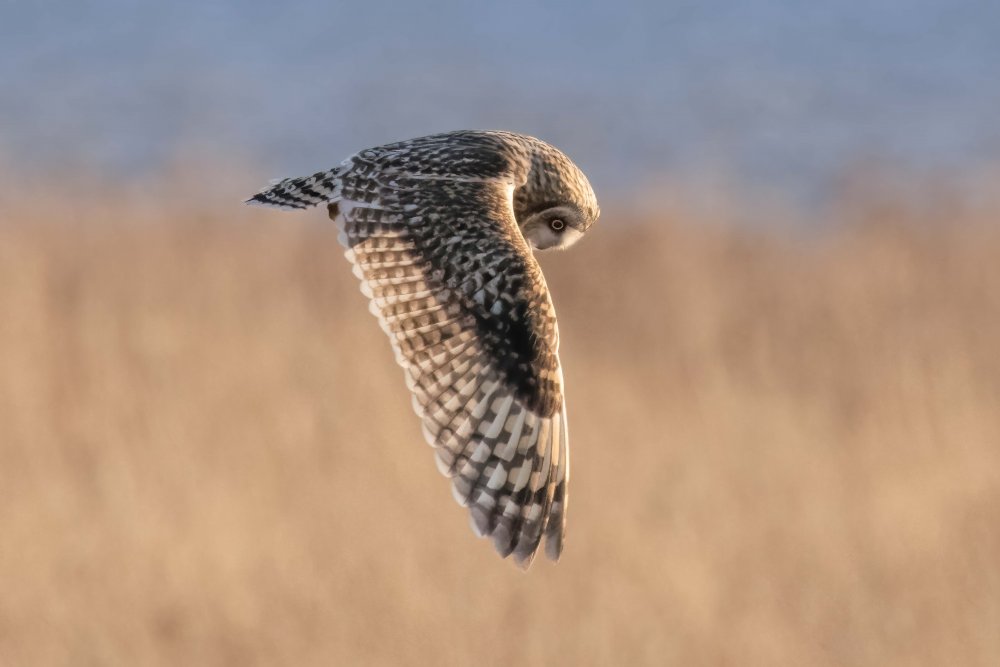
(440, 231)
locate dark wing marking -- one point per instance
(466, 308)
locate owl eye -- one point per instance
(557, 225)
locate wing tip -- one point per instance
(555, 530)
(524, 560)
(260, 200)
(554, 546)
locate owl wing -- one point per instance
(464, 303)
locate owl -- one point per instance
(441, 231)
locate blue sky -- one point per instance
(783, 93)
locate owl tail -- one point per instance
(303, 192)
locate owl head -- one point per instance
(556, 204)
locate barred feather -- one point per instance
(431, 228)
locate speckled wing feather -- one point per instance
(438, 251)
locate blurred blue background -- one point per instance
(769, 92)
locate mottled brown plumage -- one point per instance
(440, 231)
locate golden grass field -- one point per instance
(786, 447)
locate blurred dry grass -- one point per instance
(786, 450)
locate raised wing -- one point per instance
(464, 303)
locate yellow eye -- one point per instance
(557, 224)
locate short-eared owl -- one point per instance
(440, 231)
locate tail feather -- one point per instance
(302, 192)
